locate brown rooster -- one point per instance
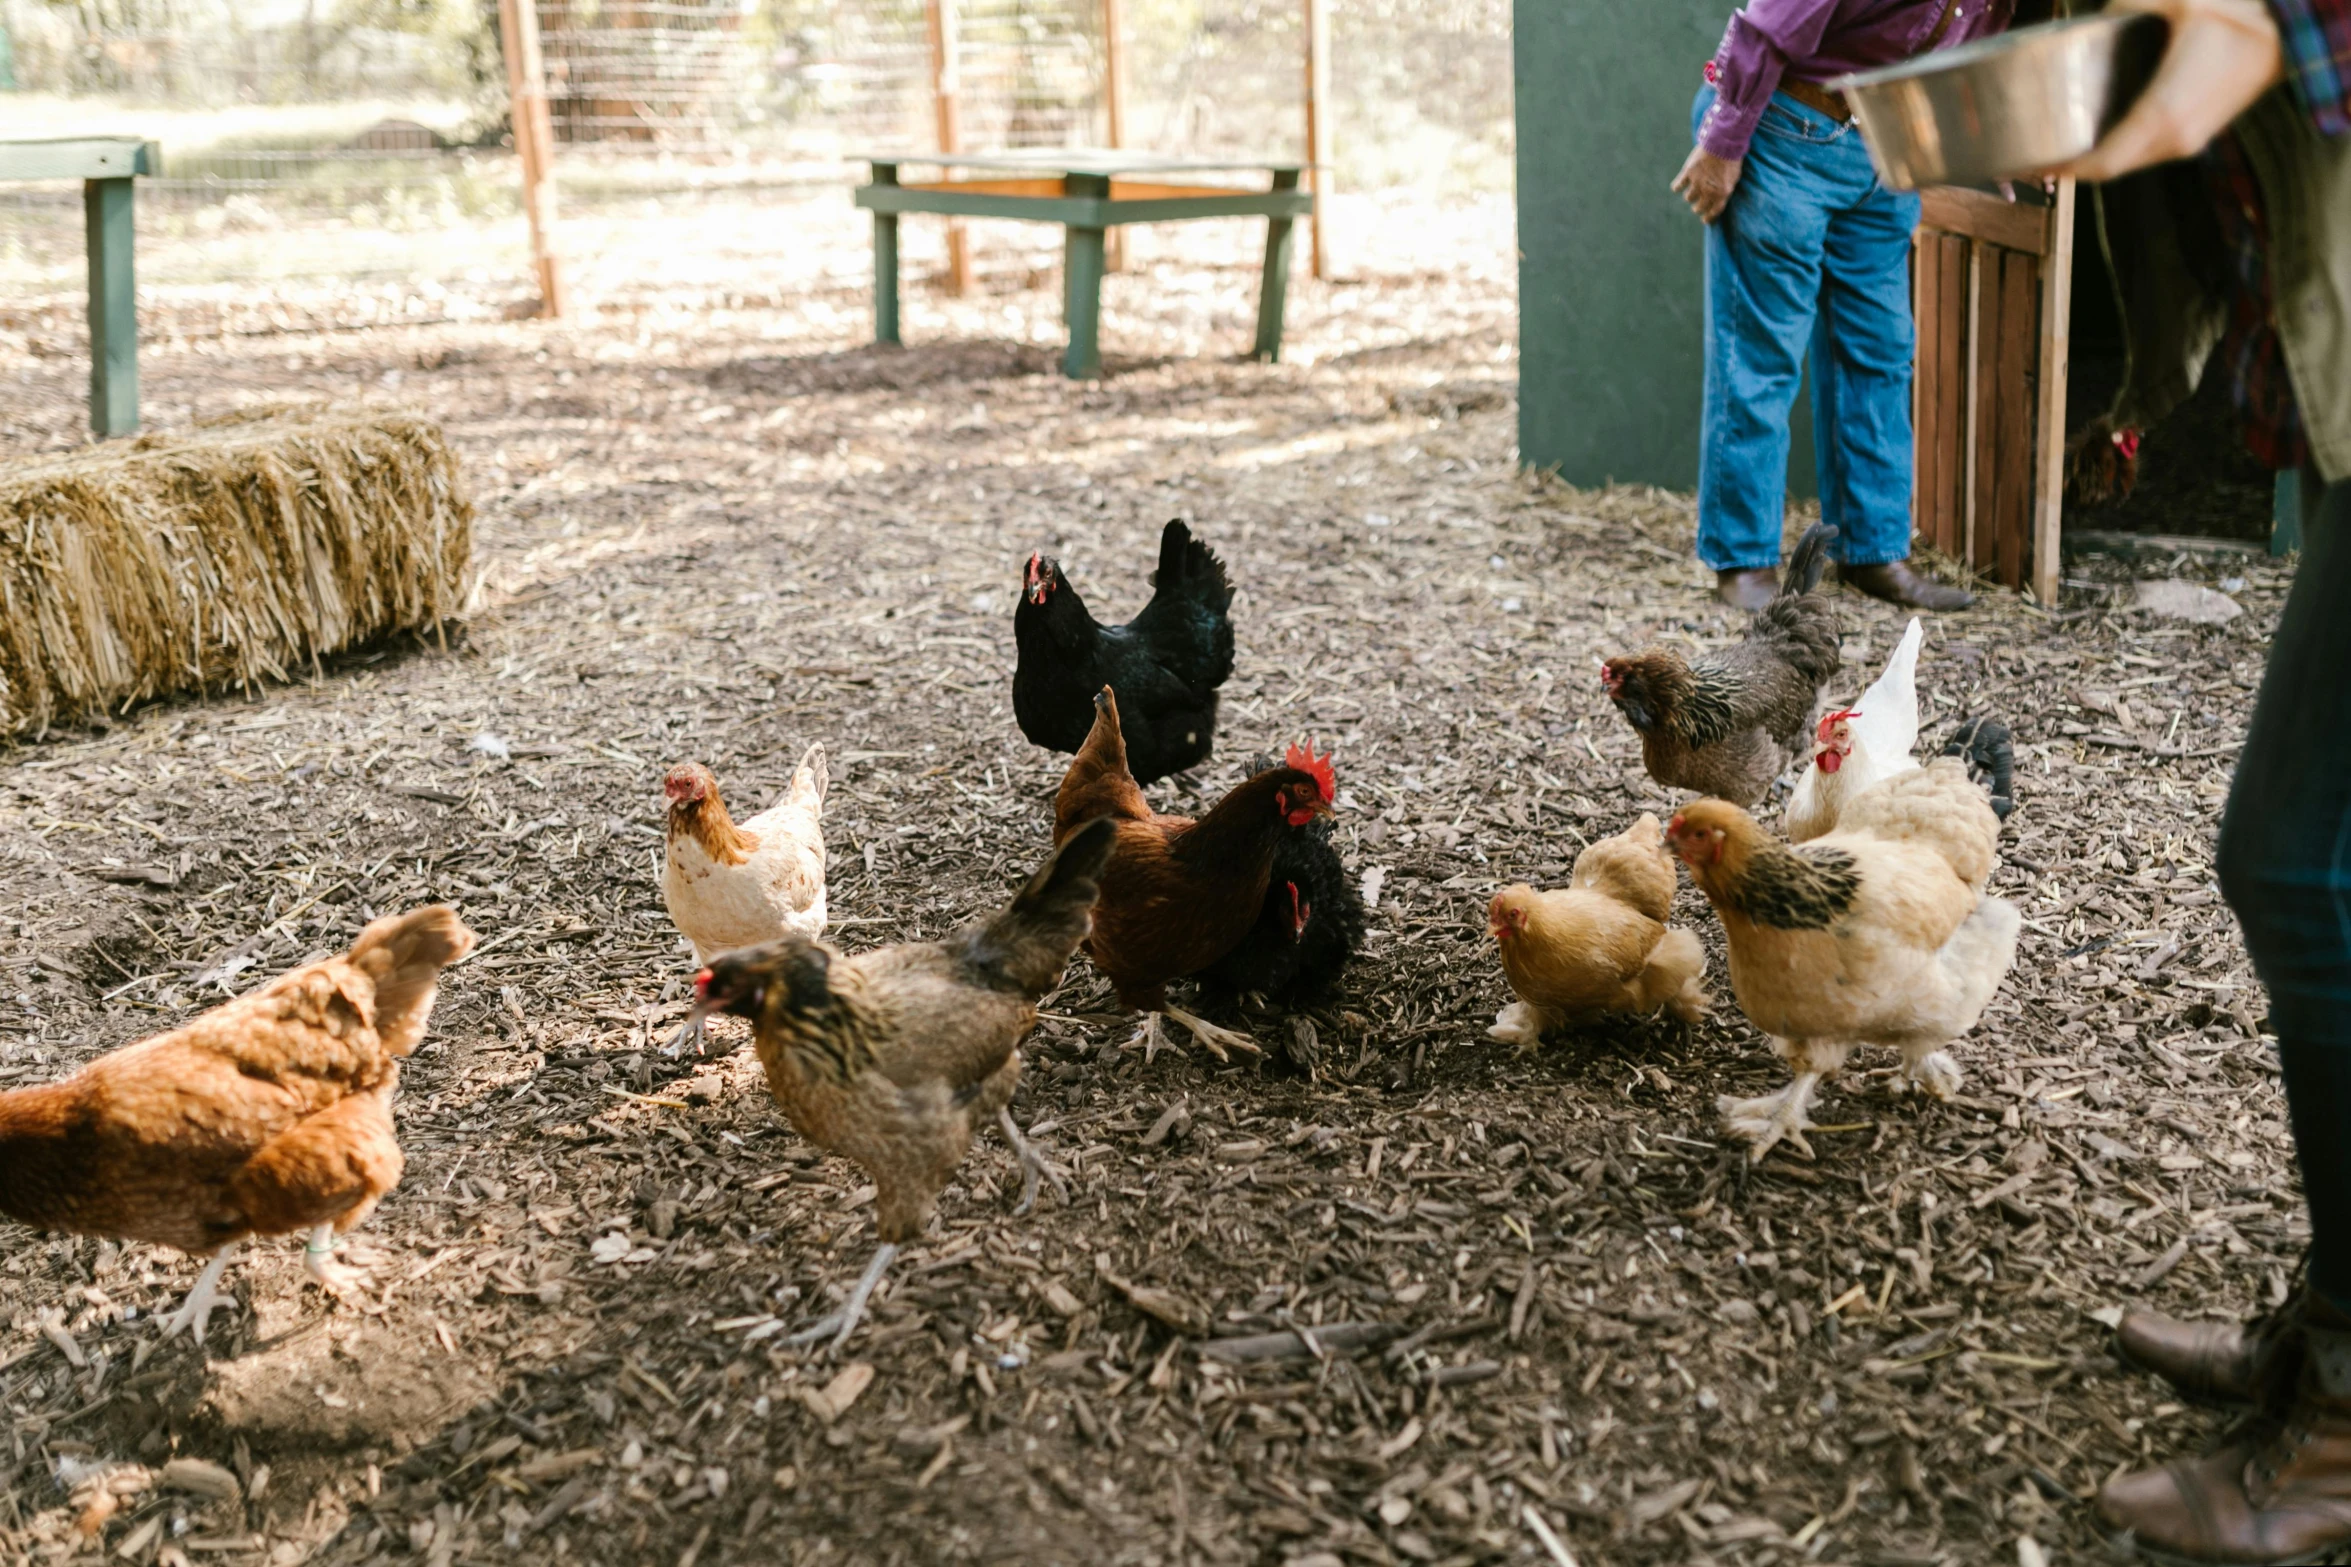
(270, 1114)
(896, 1058)
(1729, 723)
(1180, 894)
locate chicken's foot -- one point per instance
(840, 1324)
(1933, 1073)
(347, 1285)
(1766, 1121)
(1521, 1023)
(1032, 1165)
(202, 1299)
(1216, 1041)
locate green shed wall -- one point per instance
(1609, 258)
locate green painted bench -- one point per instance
(106, 166)
(1086, 191)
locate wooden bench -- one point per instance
(106, 166)
(1088, 192)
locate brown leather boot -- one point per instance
(2227, 1364)
(2277, 1490)
(1898, 583)
(1750, 589)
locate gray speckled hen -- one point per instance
(1728, 723)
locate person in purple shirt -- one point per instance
(1804, 248)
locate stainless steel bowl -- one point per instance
(2006, 106)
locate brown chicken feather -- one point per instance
(896, 1058)
(1729, 723)
(1178, 893)
(270, 1114)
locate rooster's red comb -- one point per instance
(1303, 758)
(1822, 729)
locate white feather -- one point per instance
(1884, 731)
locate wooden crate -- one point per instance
(1991, 284)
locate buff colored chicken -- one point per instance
(1879, 933)
(728, 886)
(1601, 944)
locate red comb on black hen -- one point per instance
(1166, 664)
(1312, 919)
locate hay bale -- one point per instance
(238, 552)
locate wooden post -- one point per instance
(107, 211)
(1318, 128)
(2049, 422)
(534, 142)
(1081, 284)
(946, 90)
(1114, 104)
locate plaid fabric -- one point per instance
(2317, 38)
(2249, 353)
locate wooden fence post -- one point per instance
(2049, 423)
(946, 90)
(1114, 104)
(534, 142)
(1318, 128)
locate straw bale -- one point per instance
(238, 552)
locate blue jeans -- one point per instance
(1811, 249)
(2285, 865)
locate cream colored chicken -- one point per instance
(1876, 934)
(1600, 944)
(729, 886)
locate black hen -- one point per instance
(1310, 924)
(1985, 745)
(1165, 664)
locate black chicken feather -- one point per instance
(1166, 664)
(1282, 958)
(1990, 753)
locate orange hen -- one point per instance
(268, 1115)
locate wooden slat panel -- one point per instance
(1925, 279)
(2019, 350)
(1984, 358)
(989, 187)
(2049, 417)
(2008, 224)
(1951, 377)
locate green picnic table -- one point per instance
(106, 166)
(1087, 191)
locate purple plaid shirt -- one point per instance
(2317, 37)
(1814, 40)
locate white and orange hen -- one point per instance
(729, 886)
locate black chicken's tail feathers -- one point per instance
(1988, 749)
(1191, 568)
(1809, 558)
(1025, 947)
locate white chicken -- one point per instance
(729, 886)
(1857, 746)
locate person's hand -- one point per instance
(1706, 182)
(2223, 54)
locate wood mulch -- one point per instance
(1400, 1295)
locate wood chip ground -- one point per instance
(1480, 1300)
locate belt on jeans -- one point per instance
(1814, 96)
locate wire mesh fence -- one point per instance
(367, 139)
